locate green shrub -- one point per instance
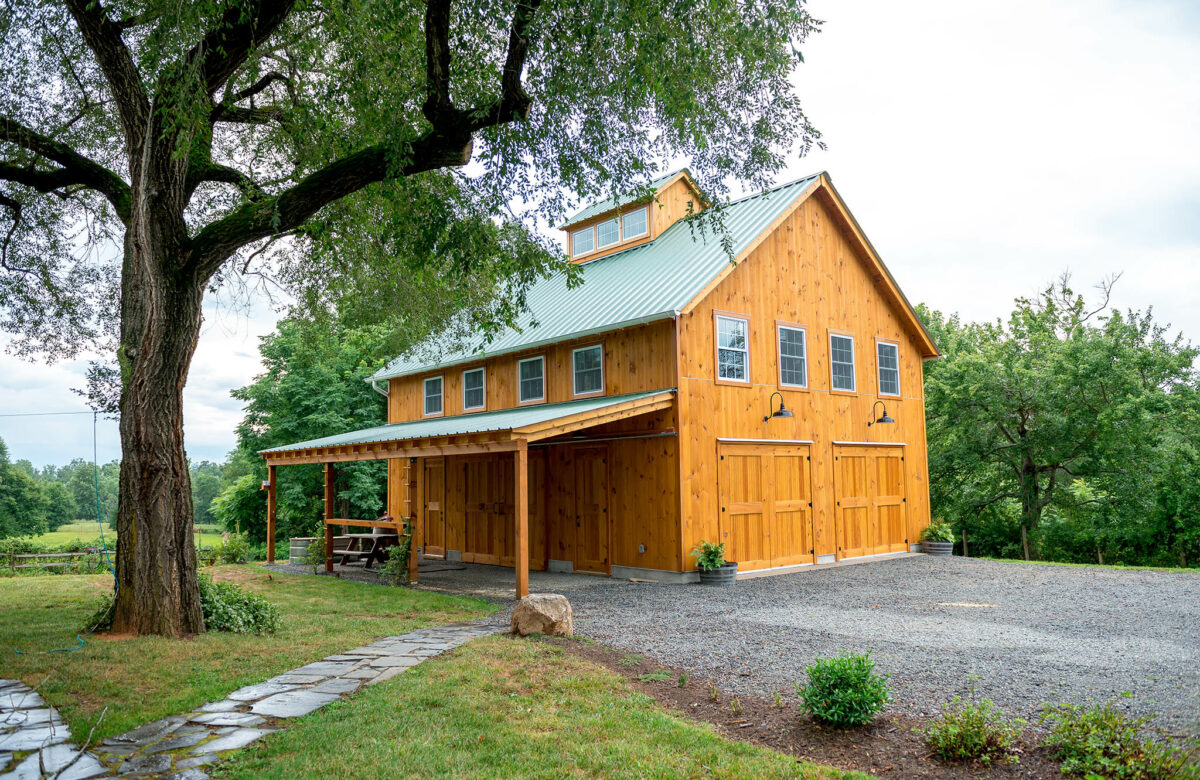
(709, 556)
(234, 548)
(843, 691)
(1099, 741)
(226, 607)
(394, 569)
(938, 531)
(973, 731)
(314, 554)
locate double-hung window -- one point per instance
(633, 224)
(608, 233)
(587, 365)
(582, 242)
(841, 361)
(531, 379)
(888, 355)
(793, 357)
(733, 349)
(473, 392)
(433, 395)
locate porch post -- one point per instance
(270, 514)
(522, 518)
(329, 476)
(416, 521)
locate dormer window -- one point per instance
(634, 224)
(582, 242)
(607, 233)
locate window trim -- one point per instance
(530, 401)
(645, 232)
(574, 374)
(425, 396)
(853, 362)
(780, 325)
(463, 379)
(614, 218)
(878, 368)
(590, 229)
(729, 315)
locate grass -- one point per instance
(502, 707)
(1115, 566)
(145, 678)
(88, 531)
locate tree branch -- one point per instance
(227, 45)
(227, 175)
(76, 169)
(437, 107)
(257, 87)
(246, 116)
(103, 37)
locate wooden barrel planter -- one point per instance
(724, 576)
(937, 548)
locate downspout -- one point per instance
(375, 387)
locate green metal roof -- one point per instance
(608, 204)
(479, 422)
(649, 282)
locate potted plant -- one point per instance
(714, 569)
(938, 538)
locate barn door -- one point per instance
(434, 487)
(744, 506)
(591, 509)
(870, 497)
(792, 518)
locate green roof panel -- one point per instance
(608, 204)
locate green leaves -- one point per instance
(843, 691)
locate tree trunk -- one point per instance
(1025, 542)
(157, 591)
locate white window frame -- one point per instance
(853, 364)
(537, 359)
(483, 373)
(574, 233)
(779, 329)
(645, 216)
(615, 241)
(441, 396)
(717, 317)
(575, 372)
(879, 367)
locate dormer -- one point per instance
(612, 225)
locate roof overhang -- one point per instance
(470, 434)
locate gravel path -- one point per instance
(1029, 633)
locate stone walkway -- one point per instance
(35, 743)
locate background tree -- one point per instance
(193, 135)
(1019, 411)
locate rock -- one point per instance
(543, 613)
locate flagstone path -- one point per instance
(35, 743)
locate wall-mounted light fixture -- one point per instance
(782, 411)
(883, 418)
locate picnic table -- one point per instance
(358, 548)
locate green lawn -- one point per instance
(1116, 566)
(142, 679)
(209, 537)
(502, 707)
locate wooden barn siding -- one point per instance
(807, 272)
(635, 360)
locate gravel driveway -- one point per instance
(1028, 633)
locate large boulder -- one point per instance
(543, 613)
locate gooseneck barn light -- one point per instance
(883, 418)
(782, 411)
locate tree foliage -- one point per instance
(1062, 416)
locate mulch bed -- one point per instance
(893, 746)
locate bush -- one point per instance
(938, 531)
(843, 691)
(974, 731)
(314, 554)
(709, 556)
(1099, 741)
(226, 607)
(395, 569)
(234, 548)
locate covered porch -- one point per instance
(493, 449)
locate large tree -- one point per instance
(192, 135)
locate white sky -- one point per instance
(984, 146)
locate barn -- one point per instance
(762, 387)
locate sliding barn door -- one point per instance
(766, 516)
(433, 495)
(591, 509)
(870, 500)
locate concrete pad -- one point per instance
(232, 741)
(293, 704)
(260, 691)
(229, 718)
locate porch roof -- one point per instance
(496, 431)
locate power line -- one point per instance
(44, 414)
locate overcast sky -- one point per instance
(985, 147)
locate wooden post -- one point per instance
(965, 553)
(270, 514)
(329, 493)
(416, 520)
(522, 518)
